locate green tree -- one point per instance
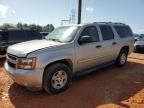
(39, 28)
(25, 26)
(32, 26)
(48, 28)
(51, 28)
(19, 25)
(7, 25)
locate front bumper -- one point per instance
(27, 78)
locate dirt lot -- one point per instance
(112, 87)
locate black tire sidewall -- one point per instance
(48, 76)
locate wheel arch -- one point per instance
(125, 48)
(67, 62)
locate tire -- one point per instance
(122, 58)
(57, 78)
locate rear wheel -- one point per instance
(57, 78)
(122, 58)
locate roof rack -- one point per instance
(110, 23)
(119, 23)
(103, 22)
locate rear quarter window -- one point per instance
(123, 31)
(107, 32)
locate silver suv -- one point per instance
(68, 51)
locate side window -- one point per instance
(107, 32)
(16, 35)
(31, 35)
(91, 31)
(123, 31)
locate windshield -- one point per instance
(3, 38)
(63, 34)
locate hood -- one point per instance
(139, 43)
(22, 49)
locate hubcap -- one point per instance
(59, 79)
(123, 58)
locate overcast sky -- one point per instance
(43, 12)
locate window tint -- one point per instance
(107, 32)
(123, 31)
(91, 31)
(16, 35)
(31, 35)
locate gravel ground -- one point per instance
(111, 87)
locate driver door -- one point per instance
(89, 54)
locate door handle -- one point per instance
(98, 46)
(114, 43)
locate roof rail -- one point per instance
(119, 23)
(103, 22)
(110, 23)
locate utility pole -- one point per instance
(79, 11)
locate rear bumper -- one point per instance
(27, 78)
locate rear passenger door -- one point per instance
(109, 43)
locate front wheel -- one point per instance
(122, 58)
(57, 78)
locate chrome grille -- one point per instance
(11, 60)
(11, 56)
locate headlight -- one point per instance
(26, 63)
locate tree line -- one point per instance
(39, 28)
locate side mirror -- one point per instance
(85, 39)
